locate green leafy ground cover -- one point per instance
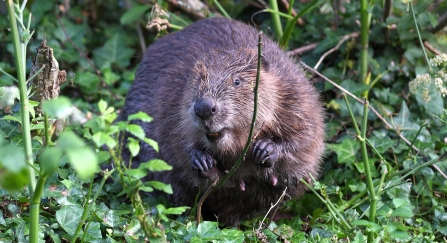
(98, 44)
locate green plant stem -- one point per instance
(364, 39)
(88, 204)
(419, 33)
(284, 40)
(253, 119)
(281, 14)
(46, 130)
(335, 213)
(249, 139)
(410, 172)
(291, 3)
(35, 210)
(377, 79)
(20, 57)
(379, 184)
(354, 122)
(276, 19)
(372, 192)
(175, 27)
(221, 9)
(8, 75)
(361, 135)
(387, 6)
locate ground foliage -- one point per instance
(97, 43)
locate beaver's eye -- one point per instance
(237, 82)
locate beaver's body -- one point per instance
(197, 84)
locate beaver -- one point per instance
(197, 84)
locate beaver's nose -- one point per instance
(205, 108)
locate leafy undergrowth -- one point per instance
(401, 163)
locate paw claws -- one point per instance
(264, 152)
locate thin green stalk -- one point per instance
(291, 3)
(419, 33)
(361, 135)
(35, 210)
(249, 139)
(175, 27)
(88, 204)
(364, 38)
(46, 130)
(372, 192)
(377, 79)
(35, 74)
(384, 168)
(221, 9)
(387, 6)
(410, 172)
(354, 122)
(276, 19)
(379, 184)
(354, 199)
(253, 120)
(284, 40)
(20, 58)
(281, 14)
(335, 213)
(8, 75)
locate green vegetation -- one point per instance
(384, 86)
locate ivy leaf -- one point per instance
(133, 14)
(397, 231)
(354, 87)
(404, 121)
(346, 151)
(208, 229)
(69, 30)
(403, 212)
(113, 52)
(381, 144)
(89, 81)
(236, 236)
(69, 217)
(93, 232)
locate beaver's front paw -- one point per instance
(203, 162)
(265, 152)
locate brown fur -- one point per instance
(203, 61)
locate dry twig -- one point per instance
(343, 39)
